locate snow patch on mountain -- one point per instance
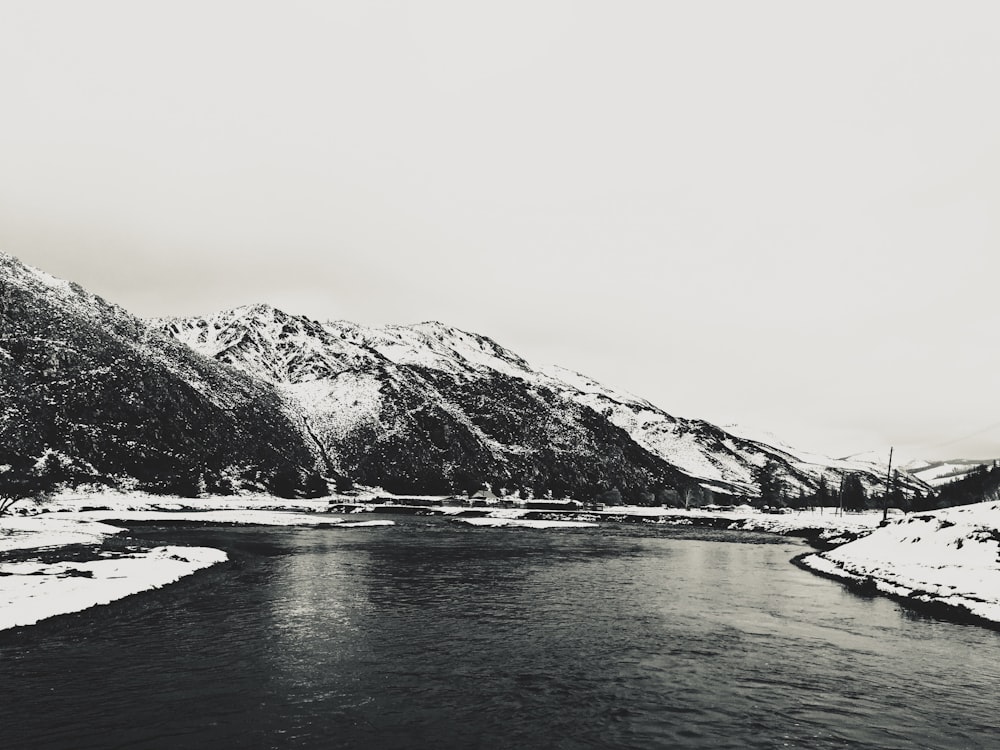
(587, 385)
(341, 403)
(440, 347)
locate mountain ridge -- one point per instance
(420, 382)
(255, 397)
(435, 355)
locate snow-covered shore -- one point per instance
(251, 510)
(49, 532)
(75, 502)
(823, 524)
(32, 590)
(948, 558)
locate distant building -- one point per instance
(483, 498)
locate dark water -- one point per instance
(434, 635)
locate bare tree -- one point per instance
(24, 479)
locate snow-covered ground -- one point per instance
(141, 501)
(48, 532)
(949, 557)
(259, 510)
(827, 523)
(242, 517)
(31, 590)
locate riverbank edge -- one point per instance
(33, 590)
(89, 564)
(870, 586)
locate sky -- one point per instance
(777, 214)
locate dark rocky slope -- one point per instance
(116, 401)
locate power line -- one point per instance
(993, 426)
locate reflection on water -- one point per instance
(433, 634)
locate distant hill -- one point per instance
(940, 473)
(976, 485)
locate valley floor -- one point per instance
(71, 553)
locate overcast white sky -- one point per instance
(782, 214)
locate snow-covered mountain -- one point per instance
(118, 402)
(256, 397)
(427, 408)
(359, 385)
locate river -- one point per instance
(433, 634)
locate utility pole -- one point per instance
(888, 489)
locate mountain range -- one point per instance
(257, 398)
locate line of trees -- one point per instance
(24, 477)
(849, 493)
(982, 484)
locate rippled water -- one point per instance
(434, 635)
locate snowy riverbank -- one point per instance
(948, 558)
(62, 557)
(82, 570)
(31, 591)
(825, 525)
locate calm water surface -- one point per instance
(435, 635)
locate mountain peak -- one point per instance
(259, 309)
(18, 270)
(66, 295)
(265, 341)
